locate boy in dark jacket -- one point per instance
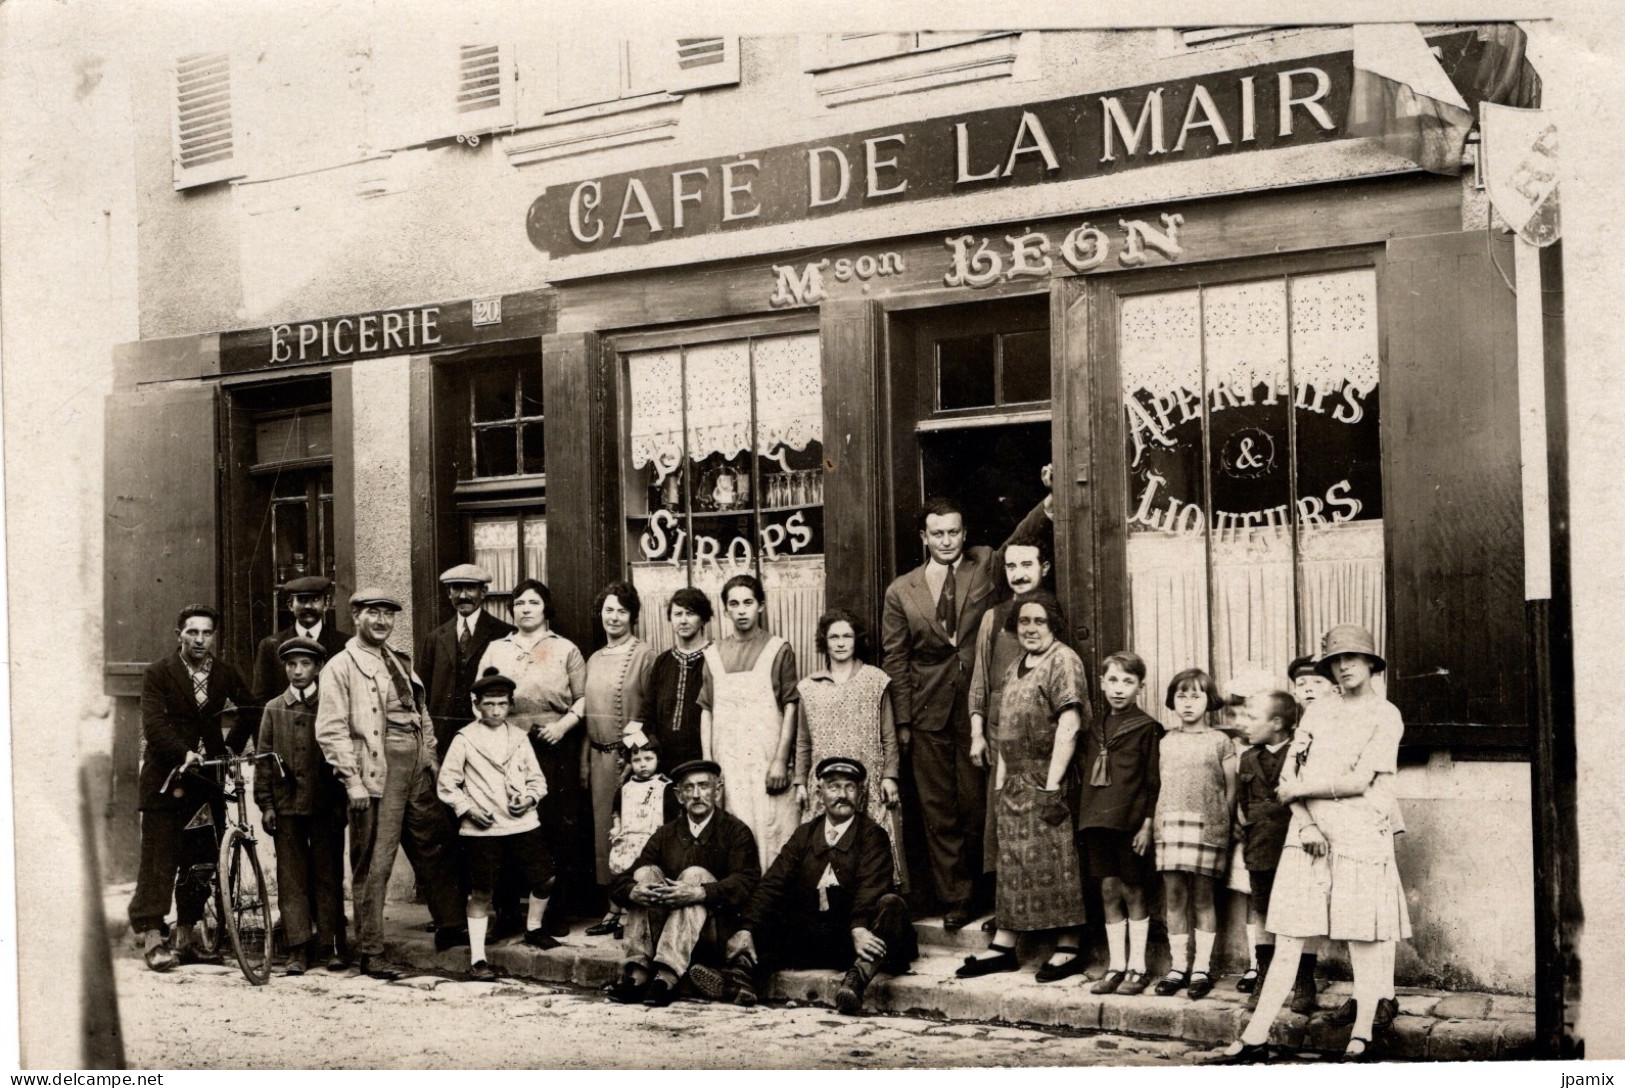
(305, 810)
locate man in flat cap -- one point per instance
(375, 730)
(826, 901)
(449, 656)
(309, 599)
(304, 809)
(688, 885)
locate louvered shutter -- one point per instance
(677, 65)
(484, 98)
(205, 131)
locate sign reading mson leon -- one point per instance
(1287, 103)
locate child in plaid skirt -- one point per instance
(1192, 829)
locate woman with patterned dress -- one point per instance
(748, 715)
(1039, 884)
(1337, 876)
(550, 679)
(617, 679)
(846, 711)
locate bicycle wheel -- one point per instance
(247, 906)
(213, 926)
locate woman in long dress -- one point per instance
(846, 711)
(1039, 881)
(617, 682)
(748, 706)
(550, 679)
(1337, 877)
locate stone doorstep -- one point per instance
(932, 991)
(1432, 1024)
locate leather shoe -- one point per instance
(480, 971)
(1358, 1050)
(1249, 1054)
(1170, 984)
(957, 917)
(160, 958)
(1387, 1009)
(661, 992)
(628, 989)
(337, 962)
(1248, 982)
(374, 967)
(1055, 972)
(450, 938)
(1003, 959)
(1108, 983)
(540, 938)
(556, 927)
(711, 983)
(1201, 985)
(1134, 982)
(1340, 1017)
(849, 998)
(744, 986)
(602, 929)
(298, 962)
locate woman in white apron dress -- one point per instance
(748, 722)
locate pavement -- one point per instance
(1432, 1025)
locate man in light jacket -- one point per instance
(374, 729)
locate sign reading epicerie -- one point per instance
(1288, 103)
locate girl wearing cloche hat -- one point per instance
(1337, 876)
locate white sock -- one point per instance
(533, 916)
(1138, 932)
(476, 939)
(1204, 950)
(1117, 945)
(1252, 946)
(1179, 951)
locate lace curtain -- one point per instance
(789, 399)
(496, 548)
(795, 600)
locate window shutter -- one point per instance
(205, 132)
(485, 93)
(701, 62)
(1452, 498)
(159, 533)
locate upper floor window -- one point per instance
(505, 421)
(840, 50)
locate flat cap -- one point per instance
(310, 583)
(373, 595)
(465, 572)
(297, 645)
(1302, 666)
(695, 766)
(841, 765)
(491, 680)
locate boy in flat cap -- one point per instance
(309, 599)
(375, 731)
(304, 810)
(449, 656)
(491, 781)
(826, 901)
(688, 885)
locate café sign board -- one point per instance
(1297, 102)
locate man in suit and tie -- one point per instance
(449, 655)
(928, 641)
(309, 599)
(185, 698)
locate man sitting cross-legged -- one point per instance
(688, 885)
(826, 901)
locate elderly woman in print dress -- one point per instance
(617, 683)
(1039, 879)
(1337, 877)
(550, 679)
(846, 711)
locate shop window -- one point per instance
(992, 370)
(726, 477)
(1251, 412)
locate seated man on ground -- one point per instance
(826, 901)
(686, 888)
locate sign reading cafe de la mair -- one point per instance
(1288, 103)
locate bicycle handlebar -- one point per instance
(228, 761)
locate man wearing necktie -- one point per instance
(449, 656)
(375, 731)
(928, 642)
(309, 599)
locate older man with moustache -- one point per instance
(309, 599)
(449, 656)
(374, 730)
(690, 882)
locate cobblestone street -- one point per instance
(209, 1017)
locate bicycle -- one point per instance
(241, 905)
